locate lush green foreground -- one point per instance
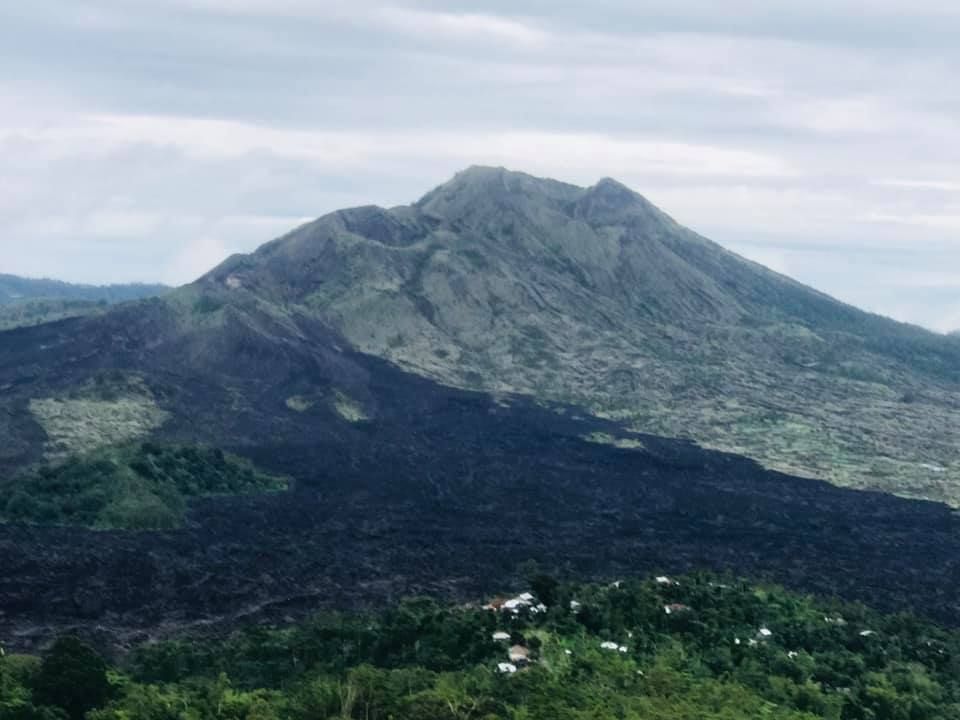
(142, 486)
(796, 659)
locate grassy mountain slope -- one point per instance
(507, 283)
(26, 301)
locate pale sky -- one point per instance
(147, 139)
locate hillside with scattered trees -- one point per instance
(700, 647)
(142, 486)
(26, 301)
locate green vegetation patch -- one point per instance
(134, 487)
(206, 305)
(696, 647)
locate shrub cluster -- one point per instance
(136, 487)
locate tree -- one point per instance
(545, 588)
(73, 677)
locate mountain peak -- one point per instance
(513, 180)
(501, 178)
(485, 190)
(610, 186)
(612, 193)
(484, 176)
(484, 171)
(610, 201)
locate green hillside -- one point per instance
(694, 647)
(27, 301)
(135, 487)
(35, 312)
(18, 289)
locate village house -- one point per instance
(675, 608)
(519, 655)
(507, 668)
(608, 645)
(515, 604)
(501, 636)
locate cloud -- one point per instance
(141, 139)
(196, 258)
(773, 258)
(944, 222)
(464, 27)
(343, 150)
(945, 186)
(267, 8)
(926, 279)
(949, 321)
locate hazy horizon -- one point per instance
(145, 142)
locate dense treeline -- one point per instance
(698, 647)
(137, 487)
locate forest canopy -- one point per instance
(692, 647)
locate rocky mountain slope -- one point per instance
(401, 484)
(502, 282)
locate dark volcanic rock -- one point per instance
(447, 493)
